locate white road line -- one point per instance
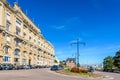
(111, 78)
(107, 76)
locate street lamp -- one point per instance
(77, 43)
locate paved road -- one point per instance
(109, 76)
(37, 74)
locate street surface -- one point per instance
(109, 76)
(46, 74)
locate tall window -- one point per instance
(24, 28)
(8, 16)
(7, 26)
(6, 49)
(24, 45)
(24, 61)
(17, 42)
(29, 37)
(8, 38)
(18, 23)
(17, 30)
(24, 35)
(16, 59)
(6, 59)
(17, 51)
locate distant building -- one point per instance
(70, 62)
(98, 66)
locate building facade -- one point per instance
(21, 41)
(70, 62)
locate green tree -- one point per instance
(108, 63)
(117, 59)
(55, 61)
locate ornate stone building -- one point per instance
(21, 41)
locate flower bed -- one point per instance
(77, 70)
(82, 74)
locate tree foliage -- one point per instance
(117, 59)
(108, 63)
(55, 61)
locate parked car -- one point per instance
(116, 71)
(30, 66)
(91, 70)
(55, 67)
(33, 66)
(39, 67)
(0, 67)
(26, 67)
(61, 67)
(18, 67)
(7, 66)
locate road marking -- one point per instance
(111, 78)
(107, 76)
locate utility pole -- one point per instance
(77, 55)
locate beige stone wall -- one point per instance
(70, 64)
(33, 47)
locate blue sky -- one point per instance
(95, 22)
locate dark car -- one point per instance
(91, 70)
(24, 67)
(33, 66)
(38, 66)
(61, 67)
(0, 67)
(7, 66)
(18, 67)
(30, 66)
(55, 67)
(116, 71)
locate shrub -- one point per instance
(75, 69)
(83, 70)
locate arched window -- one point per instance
(6, 49)
(17, 51)
(17, 42)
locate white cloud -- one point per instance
(67, 24)
(60, 27)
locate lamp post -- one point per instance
(77, 43)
